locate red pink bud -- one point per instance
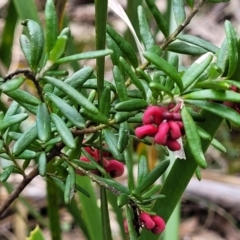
(159, 224)
(146, 130)
(115, 168)
(162, 134)
(174, 131)
(147, 221)
(153, 114)
(173, 145)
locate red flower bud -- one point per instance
(159, 224)
(153, 114)
(174, 131)
(162, 134)
(147, 221)
(115, 168)
(146, 130)
(173, 145)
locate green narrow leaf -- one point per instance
(89, 209)
(184, 48)
(63, 131)
(160, 20)
(105, 102)
(111, 141)
(12, 120)
(179, 11)
(131, 105)
(211, 84)
(194, 71)
(12, 84)
(21, 96)
(25, 140)
(120, 84)
(51, 25)
(77, 79)
(146, 35)
(42, 164)
(123, 137)
(129, 164)
(58, 49)
(85, 55)
(222, 56)
(36, 42)
(218, 109)
(7, 34)
(163, 65)
(73, 94)
(43, 123)
(131, 229)
(232, 47)
(26, 48)
(218, 145)
(125, 46)
(160, 88)
(218, 95)
(198, 42)
(152, 176)
(6, 173)
(69, 185)
(142, 169)
(193, 138)
(68, 111)
(135, 80)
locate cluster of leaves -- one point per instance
(69, 118)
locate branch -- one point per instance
(26, 180)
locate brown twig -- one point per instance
(27, 179)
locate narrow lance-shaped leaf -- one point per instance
(73, 94)
(43, 122)
(179, 11)
(77, 79)
(218, 145)
(195, 70)
(184, 48)
(36, 41)
(42, 164)
(232, 47)
(25, 140)
(117, 52)
(163, 65)
(218, 109)
(12, 120)
(131, 228)
(129, 164)
(123, 136)
(69, 185)
(152, 176)
(142, 169)
(111, 141)
(12, 84)
(135, 80)
(120, 84)
(51, 24)
(145, 32)
(26, 48)
(198, 42)
(85, 55)
(160, 20)
(222, 56)
(125, 46)
(68, 111)
(63, 131)
(131, 105)
(105, 102)
(218, 95)
(193, 138)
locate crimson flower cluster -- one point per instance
(152, 223)
(164, 124)
(113, 167)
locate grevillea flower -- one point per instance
(146, 220)
(125, 225)
(159, 224)
(114, 168)
(164, 124)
